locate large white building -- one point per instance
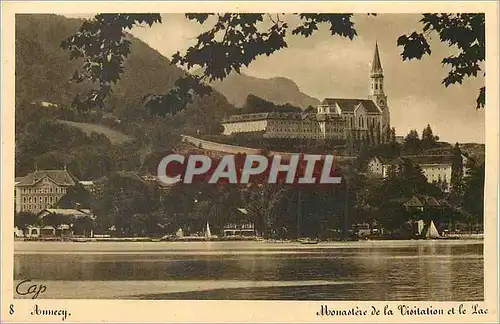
(42, 189)
(335, 118)
(436, 168)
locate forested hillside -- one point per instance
(43, 73)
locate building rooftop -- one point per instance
(430, 159)
(421, 201)
(60, 177)
(78, 213)
(349, 105)
(419, 159)
(282, 116)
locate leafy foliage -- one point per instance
(178, 98)
(457, 174)
(235, 40)
(101, 42)
(473, 195)
(48, 144)
(23, 219)
(76, 196)
(464, 31)
(411, 143)
(429, 140)
(340, 24)
(121, 202)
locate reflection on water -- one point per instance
(419, 272)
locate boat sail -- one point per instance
(208, 234)
(432, 231)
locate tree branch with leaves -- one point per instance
(465, 32)
(234, 40)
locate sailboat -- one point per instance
(432, 232)
(208, 234)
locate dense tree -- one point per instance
(23, 219)
(50, 144)
(55, 219)
(428, 139)
(457, 173)
(473, 200)
(122, 198)
(76, 196)
(82, 226)
(378, 135)
(412, 143)
(371, 136)
(234, 40)
(393, 135)
(261, 201)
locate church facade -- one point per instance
(335, 118)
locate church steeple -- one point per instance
(376, 78)
(376, 65)
(377, 94)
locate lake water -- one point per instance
(377, 270)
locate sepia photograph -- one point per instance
(253, 155)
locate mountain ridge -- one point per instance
(279, 90)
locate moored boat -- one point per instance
(308, 241)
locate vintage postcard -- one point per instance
(240, 162)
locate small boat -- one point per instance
(208, 233)
(307, 241)
(432, 232)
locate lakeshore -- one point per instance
(218, 247)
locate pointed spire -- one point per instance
(376, 65)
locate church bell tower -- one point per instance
(377, 94)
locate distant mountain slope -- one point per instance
(49, 135)
(43, 68)
(236, 88)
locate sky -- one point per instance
(332, 66)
